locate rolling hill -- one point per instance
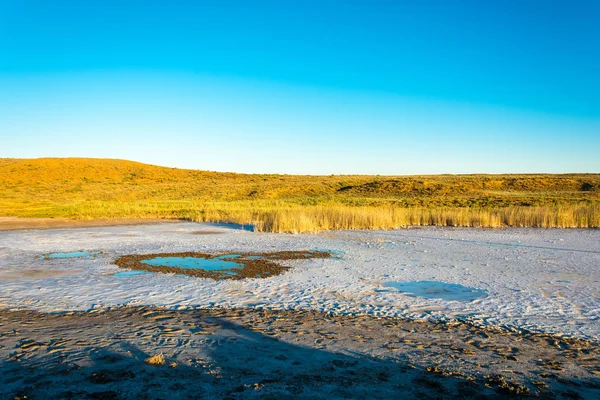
(93, 188)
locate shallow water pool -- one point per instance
(207, 264)
(73, 254)
(438, 290)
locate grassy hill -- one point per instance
(98, 188)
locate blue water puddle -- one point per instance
(254, 257)
(249, 228)
(438, 290)
(127, 274)
(73, 254)
(207, 264)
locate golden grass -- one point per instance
(98, 188)
(157, 359)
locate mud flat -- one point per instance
(222, 353)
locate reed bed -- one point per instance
(292, 218)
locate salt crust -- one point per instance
(543, 280)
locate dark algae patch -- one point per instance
(217, 266)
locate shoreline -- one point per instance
(18, 223)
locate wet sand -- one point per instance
(15, 223)
(235, 354)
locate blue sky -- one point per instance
(316, 87)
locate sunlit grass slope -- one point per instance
(104, 188)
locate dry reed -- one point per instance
(296, 219)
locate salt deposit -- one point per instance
(540, 280)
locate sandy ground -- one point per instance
(281, 354)
(15, 223)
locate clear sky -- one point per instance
(311, 87)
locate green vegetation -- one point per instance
(104, 188)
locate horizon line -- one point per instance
(312, 175)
